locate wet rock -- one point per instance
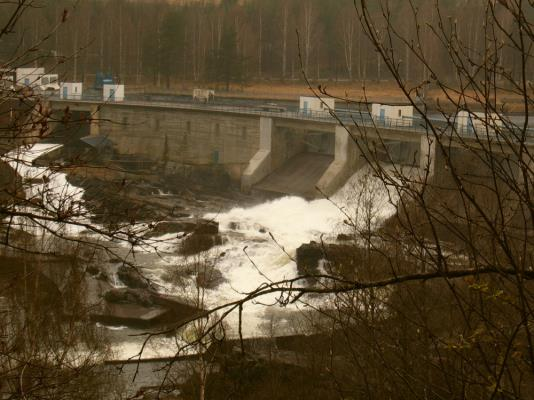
(129, 296)
(234, 226)
(92, 270)
(343, 259)
(97, 273)
(343, 237)
(210, 279)
(132, 278)
(198, 242)
(207, 227)
(308, 256)
(201, 226)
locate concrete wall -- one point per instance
(174, 137)
(346, 161)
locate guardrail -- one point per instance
(347, 117)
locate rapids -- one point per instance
(260, 241)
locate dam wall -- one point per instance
(178, 137)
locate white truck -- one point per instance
(49, 82)
(203, 95)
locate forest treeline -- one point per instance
(158, 43)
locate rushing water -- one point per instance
(260, 241)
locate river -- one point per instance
(259, 246)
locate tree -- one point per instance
(49, 346)
(226, 64)
(438, 302)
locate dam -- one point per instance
(310, 154)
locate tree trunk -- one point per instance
(284, 41)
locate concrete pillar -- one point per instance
(346, 160)
(260, 165)
(94, 128)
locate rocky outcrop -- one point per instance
(308, 257)
(132, 278)
(198, 242)
(130, 296)
(142, 308)
(187, 225)
(210, 279)
(340, 258)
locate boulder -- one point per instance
(308, 256)
(132, 278)
(198, 242)
(129, 296)
(210, 279)
(202, 226)
(341, 258)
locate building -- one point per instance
(392, 115)
(29, 76)
(71, 90)
(477, 122)
(311, 104)
(113, 92)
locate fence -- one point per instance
(347, 117)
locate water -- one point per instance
(262, 242)
(260, 247)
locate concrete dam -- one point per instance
(305, 154)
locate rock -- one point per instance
(132, 278)
(92, 270)
(97, 273)
(199, 242)
(262, 230)
(210, 279)
(129, 296)
(308, 256)
(202, 226)
(342, 258)
(233, 226)
(207, 227)
(343, 237)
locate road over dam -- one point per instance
(294, 152)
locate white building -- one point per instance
(309, 104)
(113, 92)
(392, 114)
(471, 123)
(71, 90)
(29, 76)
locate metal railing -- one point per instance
(347, 117)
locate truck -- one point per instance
(203, 95)
(102, 79)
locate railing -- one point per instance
(347, 117)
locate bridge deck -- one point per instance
(361, 118)
(298, 176)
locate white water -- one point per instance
(50, 190)
(252, 258)
(291, 221)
